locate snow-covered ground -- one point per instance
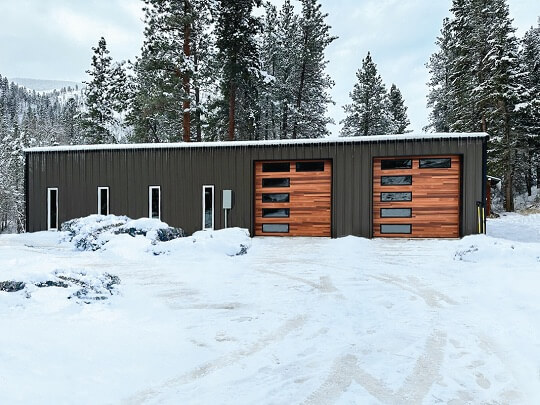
(292, 321)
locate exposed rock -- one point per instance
(52, 284)
(11, 286)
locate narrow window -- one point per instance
(388, 197)
(276, 167)
(443, 163)
(396, 180)
(103, 201)
(154, 202)
(310, 166)
(391, 164)
(208, 207)
(276, 182)
(52, 209)
(275, 198)
(275, 228)
(396, 212)
(396, 228)
(275, 212)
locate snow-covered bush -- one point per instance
(94, 231)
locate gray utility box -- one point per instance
(227, 199)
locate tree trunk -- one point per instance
(197, 91)
(302, 80)
(285, 122)
(538, 177)
(508, 192)
(529, 173)
(232, 109)
(299, 97)
(186, 105)
(266, 121)
(509, 164)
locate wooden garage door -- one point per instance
(293, 198)
(416, 197)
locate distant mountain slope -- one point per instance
(44, 85)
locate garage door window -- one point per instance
(275, 198)
(396, 212)
(275, 228)
(392, 164)
(396, 228)
(435, 163)
(276, 182)
(276, 167)
(310, 166)
(275, 212)
(396, 196)
(396, 180)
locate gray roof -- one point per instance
(287, 142)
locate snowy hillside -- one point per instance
(45, 85)
(221, 318)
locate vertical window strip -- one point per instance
(208, 207)
(154, 202)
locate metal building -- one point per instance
(428, 185)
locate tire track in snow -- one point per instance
(412, 284)
(415, 387)
(221, 362)
(324, 285)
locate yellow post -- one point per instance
(479, 219)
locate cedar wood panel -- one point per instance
(310, 195)
(182, 171)
(435, 199)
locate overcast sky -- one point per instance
(52, 39)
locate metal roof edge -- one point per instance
(287, 142)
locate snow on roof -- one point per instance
(328, 140)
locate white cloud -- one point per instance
(84, 28)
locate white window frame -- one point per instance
(204, 187)
(150, 188)
(49, 227)
(99, 200)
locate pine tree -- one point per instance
(475, 84)
(528, 109)
(70, 121)
(368, 113)
(238, 53)
(99, 118)
(397, 111)
(280, 70)
(312, 83)
(439, 98)
(169, 74)
(270, 64)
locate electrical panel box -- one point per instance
(227, 199)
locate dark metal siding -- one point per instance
(181, 173)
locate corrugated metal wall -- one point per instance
(181, 173)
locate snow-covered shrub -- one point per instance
(94, 231)
(92, 286)
(231, 241)
(153, 229)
